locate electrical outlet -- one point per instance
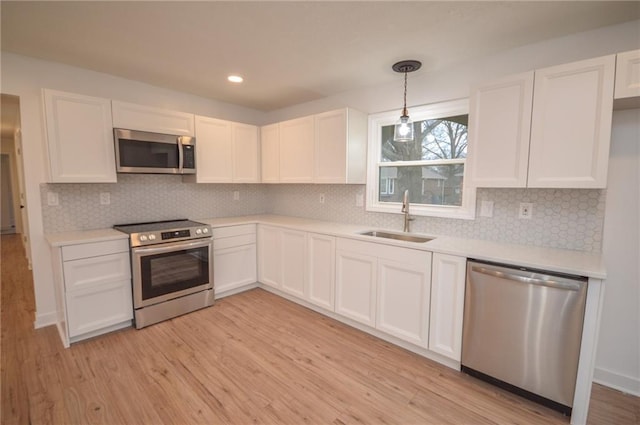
(359, 200)
(236, 195)
(526, 210)
(486, 209)
(322, 198)
(52, 199)
(105, 198)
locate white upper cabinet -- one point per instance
(227, 152)
(270, 154)
(296, 150)
(80, 138)
(561, 123)
(340, 147)
(330, 147)
(146, 118)
(500, 121)
(246, 153)
(214, 151)
(571, 124)
(627, 90)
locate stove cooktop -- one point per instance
(156, 232)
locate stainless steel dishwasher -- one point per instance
(522, 331)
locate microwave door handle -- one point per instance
(180, 154)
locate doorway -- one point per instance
(13, 197)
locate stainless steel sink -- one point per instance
(397, 236)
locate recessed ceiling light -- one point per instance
(235, 78)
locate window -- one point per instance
(431, 168)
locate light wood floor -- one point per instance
(252, 358)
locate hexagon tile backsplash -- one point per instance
(562, 218)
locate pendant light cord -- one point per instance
(404, 109)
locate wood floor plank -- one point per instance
(251, 358)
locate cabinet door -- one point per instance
(627, 75)
(403, 299)
(499, 128)
(91, 309)
(571, 124)
(214, 151)
(447, 305)
(296, 150)
(80, 138)
(269, 256)
(147, 118)
(321, 268)
(330, 155)
(246, 153)
(234, 267)
(356, 286)
(293, 259)
(270, 154)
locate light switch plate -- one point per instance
(236, 195)
(105, 198)
(52, 199)
(359, 200)
(486, 209)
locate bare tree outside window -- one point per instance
(431, 167)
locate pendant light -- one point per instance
(403, 131)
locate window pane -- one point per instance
(429, 185)
(444, 138)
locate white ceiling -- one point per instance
(288, 52)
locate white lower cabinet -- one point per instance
(293, 259)
(356, 285)
(385, 287)
(447, 305)
(321, 270)
(269, 256)
(234, 258)
(93, 288)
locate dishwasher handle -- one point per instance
(557, 283)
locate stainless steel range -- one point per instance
(172, 267)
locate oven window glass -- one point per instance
(135, 153)
(174, 271)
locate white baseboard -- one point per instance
(46, 319)
(624, 383)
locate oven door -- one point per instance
(171, 270)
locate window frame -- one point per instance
(467, 210)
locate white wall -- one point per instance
(25, 77)
(618, 359)
(426, 87)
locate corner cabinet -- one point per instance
(447, 305)
(93, 288)
(146, 118)
(227, 152)
(324, 148)
(569, 108)
(79, 137)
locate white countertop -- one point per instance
(84, 236)
(556, 260)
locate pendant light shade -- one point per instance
(403, 131)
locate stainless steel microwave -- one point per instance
(154, 153)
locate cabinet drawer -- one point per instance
(225, 232)
(96, 271)
(94, 249)
(92, 309)
(234, 241)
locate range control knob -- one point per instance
(205, 230)
(143, 238)
(198, 231)
(152, 237)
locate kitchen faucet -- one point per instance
(405, 210)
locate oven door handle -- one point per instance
(173, 246)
